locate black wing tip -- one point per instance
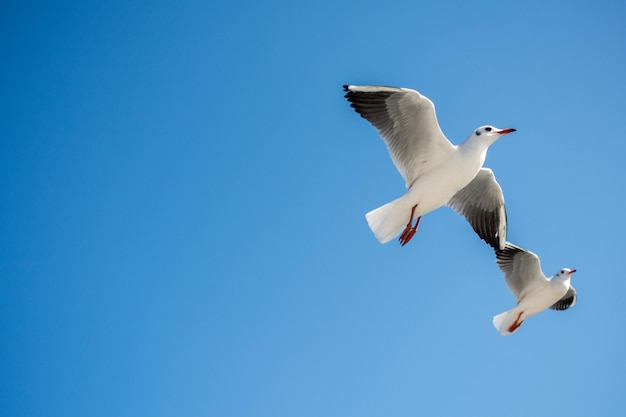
(511, 248)
(350, 94)
(508, 252)
(494, 242)
(486, 227)
(371, 94)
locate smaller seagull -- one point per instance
(435, 171)
(533, 291)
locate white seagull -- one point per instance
(436, 172)
(533, 291)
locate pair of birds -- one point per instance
(438, 173)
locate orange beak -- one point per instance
(506, 131)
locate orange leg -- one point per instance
(516, 324)
(410, 230)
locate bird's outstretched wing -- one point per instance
(567, 301)
(481, 202)
(406, 121)
(521, 268)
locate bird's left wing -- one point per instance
(521, 268)
(567, 301)
(481, 202)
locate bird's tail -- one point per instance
(389, 220)
(506, 323)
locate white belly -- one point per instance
(543, 297)
(434, 189)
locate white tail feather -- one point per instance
(503, 321)
(387, 221)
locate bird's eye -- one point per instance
(488, 129)
(478, 133)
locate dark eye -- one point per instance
(488, 129)
(477, 133)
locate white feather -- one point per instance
(503, 321)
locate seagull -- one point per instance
(435, 171)
(533, 291)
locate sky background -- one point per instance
(183, 190)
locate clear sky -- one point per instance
(183, 198)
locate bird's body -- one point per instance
(533, 291)
(432, 190)
(436, 172)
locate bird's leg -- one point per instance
(517, 323)
(406, 234)
(410, 230)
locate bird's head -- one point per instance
(490, 134)
(565, 273)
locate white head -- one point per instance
(565, 273)
(489, 134)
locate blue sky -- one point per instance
(183, 198)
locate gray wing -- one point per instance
(406, 121)
(521, 268)
(481, 202)
(567, 301)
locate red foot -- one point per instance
(410, 230)
(516, 324)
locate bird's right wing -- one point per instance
(521, 268)
(567, 301)
(406, 121)
(481, 202)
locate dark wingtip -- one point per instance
(349, 93)
(494, 243)
(509, 251)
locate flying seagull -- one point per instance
(533, 291)
(436, 172)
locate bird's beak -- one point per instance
(572, 271)
(506, 131)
